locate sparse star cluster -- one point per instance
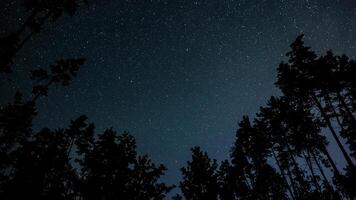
(175, 73)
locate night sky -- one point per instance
(174, 73)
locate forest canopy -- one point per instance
(283, 152)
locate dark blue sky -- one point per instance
(176, 73)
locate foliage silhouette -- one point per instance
(70, 163)
(283, 153)
(38, 13)
(200, 177)
(111, 169)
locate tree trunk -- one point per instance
(299, 173)
(310, 165)
(335, 113)
(331, 161)
(326, 118)
(347, 109)
(248, 184)
(321, 170)
(28, 21)
(28, 37)
(291, 179)
(283, 175)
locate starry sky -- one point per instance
(174, 73)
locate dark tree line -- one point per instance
(67, 163)
(283, 153)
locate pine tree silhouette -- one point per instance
(71, 163)
(200, 177)
(283, 153)
(301, 78)
(111, 169)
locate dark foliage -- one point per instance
(200, 177)
(38, 13)
(283, 153)
(70, 163)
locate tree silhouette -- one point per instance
(297, 135)
(111, 169)
(232, 182)
(256, 148)
(283, 153)
(200, 177)
(325, 84)
(70, 163)
(28, 156)
(39, 12)
(302, 78)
